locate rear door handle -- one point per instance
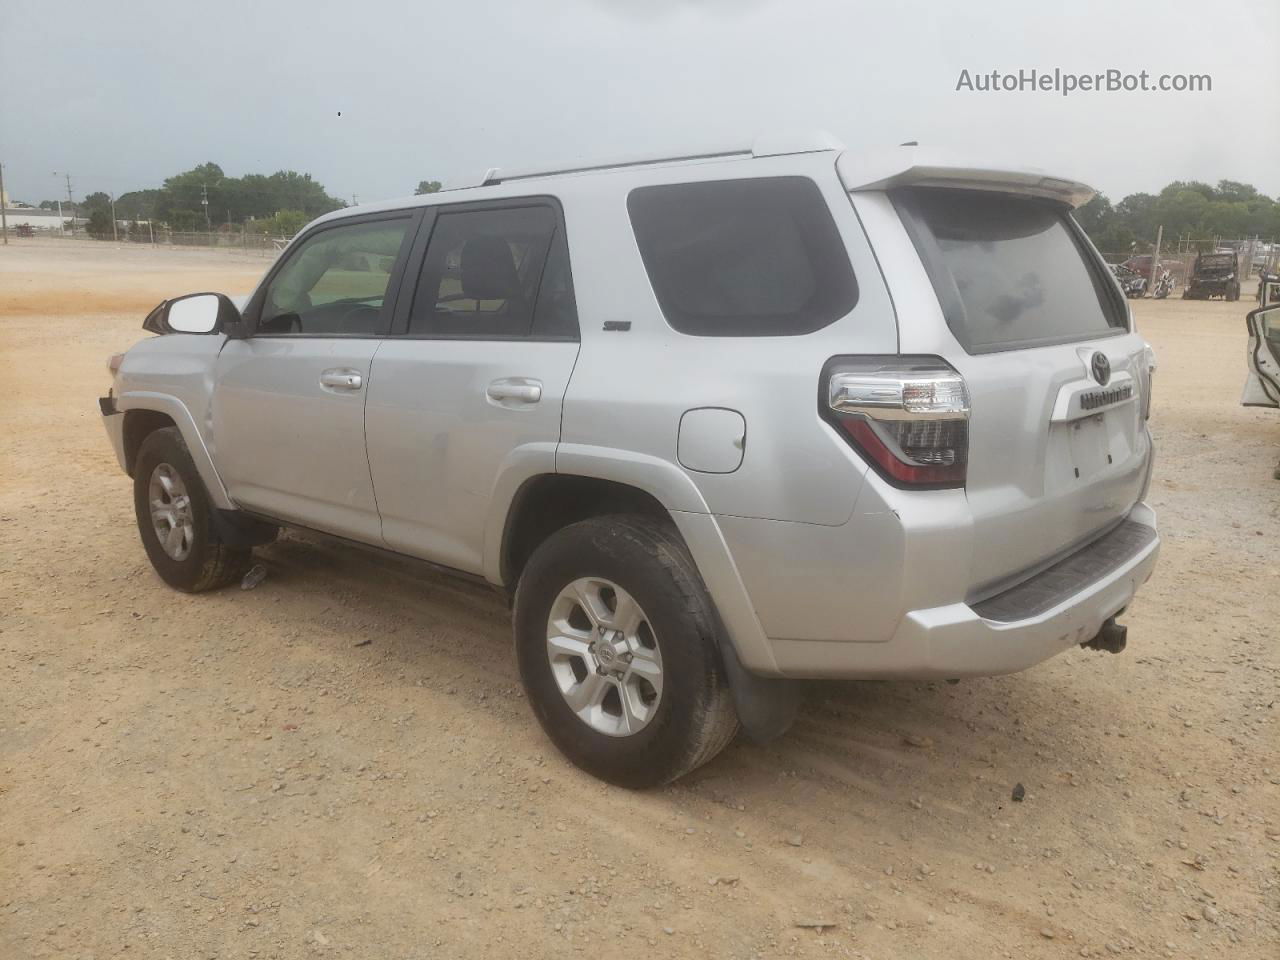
(342, 378)
(513, 391)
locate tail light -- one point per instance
(909, 416)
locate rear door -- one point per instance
(1058, 446)
(474, 374)
(1262, 388)
(288, 401)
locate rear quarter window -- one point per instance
(1010, 271)
(741, 258)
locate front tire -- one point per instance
(175, 518)
(616, 645)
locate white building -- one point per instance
(47, 220)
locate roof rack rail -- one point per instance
(771, 145)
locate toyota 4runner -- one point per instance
(714, 423)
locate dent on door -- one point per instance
(442, 417)
(288, 417)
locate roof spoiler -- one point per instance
(913, 166)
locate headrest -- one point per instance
(488, 270)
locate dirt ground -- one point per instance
(232, 776)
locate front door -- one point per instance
(288, 401)
(473, 376)
(1262, 388)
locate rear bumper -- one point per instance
(113, 422)
(1057, 609)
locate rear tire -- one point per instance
(567, 648)
(175, 518)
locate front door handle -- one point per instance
(341, 378)
(512, 391)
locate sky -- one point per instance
(371, 96)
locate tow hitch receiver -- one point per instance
(1110, 638)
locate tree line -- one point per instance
(278, 204)
(1185, 208)
(281, 203)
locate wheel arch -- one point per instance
(765, 702)
(646, 484)
(548, 502)
(145, 412)
(138, 425)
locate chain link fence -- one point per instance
(1255, 255)
(245, 242)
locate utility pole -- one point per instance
(4, 219)
(70, 202)
(355, 200)
(1155, 260)
(204, 202)
(115, 236)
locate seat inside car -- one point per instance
(489, 271)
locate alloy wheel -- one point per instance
(604, 657)
(171, 511)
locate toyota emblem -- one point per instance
(1101, 368)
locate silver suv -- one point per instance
(714, 423)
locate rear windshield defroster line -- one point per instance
(1010, 271)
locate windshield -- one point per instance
(1010, 271)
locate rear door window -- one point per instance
(499, 273)
(1009, 271)
(743, 258)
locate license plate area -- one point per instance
(1087, 448)
(1090, 446)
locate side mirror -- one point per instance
(194, 313)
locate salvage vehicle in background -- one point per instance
(1145, 264)
(714, 423)
(1214, 275)
(1131, 282)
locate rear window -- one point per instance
(1009, 271)
(742, 258)
(1217, 261)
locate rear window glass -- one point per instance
(1217, 261)
(739, 258)
(1009, 271)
